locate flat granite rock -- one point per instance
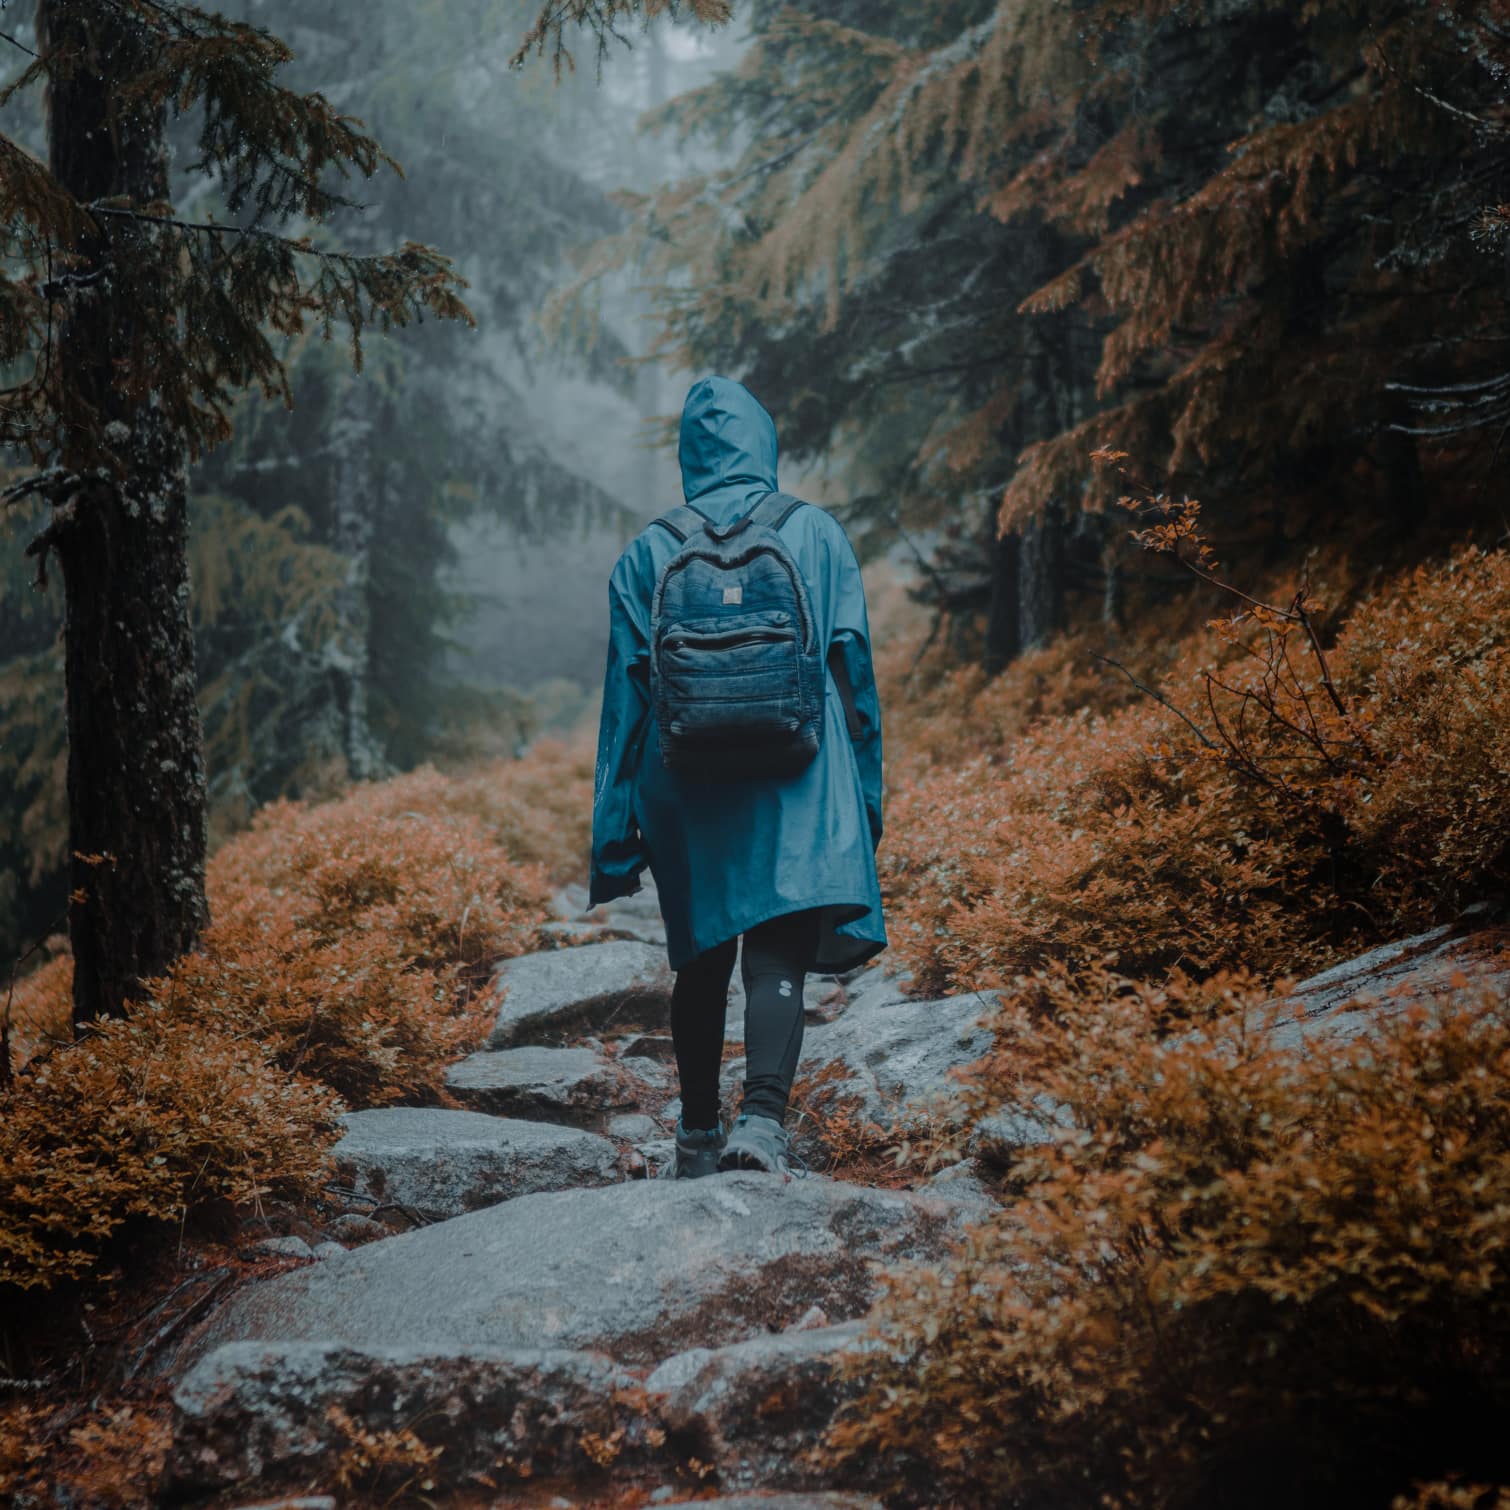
(641, 1270)
(560, 1085)
(253, 1411)
(891, 1050)
(962, 1182)
(1355, 997)
(442, 1163)
(752, 1409)
(570, 903)
(547, 994)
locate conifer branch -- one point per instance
(1494, 128)
(602, 18)
(781, 159)
(301, 244)
(269, 143)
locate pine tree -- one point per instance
(139, 327)
(436, 432)
(967, 245)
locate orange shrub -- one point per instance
(1429, 662)
(941, 714)
(537, 809)
(1235, 1275)
(1294, 832)
(339, 969)
(146, 1119)
(1089, 842)
(344, 936)
(112, 1461)
(42, 1007)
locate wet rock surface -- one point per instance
(1353, 998)
(555, 1084)
(546, 994)
(556, 1318)
(889, 1052)
(437, 1163)
(642, 1270)
(253, 1411)
(633, 917)
(752, 1409)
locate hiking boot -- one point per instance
(757, 1142)
(697, 1153)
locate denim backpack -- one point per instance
(736, 669)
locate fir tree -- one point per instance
(133, 329)
(966, 246)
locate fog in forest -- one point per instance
(1108, 782)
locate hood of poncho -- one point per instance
(727, 447)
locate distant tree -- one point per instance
(130, 330)
(968, 243)
(439, 431)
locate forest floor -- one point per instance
(493, 1305)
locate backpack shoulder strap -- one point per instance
(683, 521)
(775, 509)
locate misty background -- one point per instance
(410, 563)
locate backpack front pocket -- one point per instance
(734, 698)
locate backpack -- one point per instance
(736, 669)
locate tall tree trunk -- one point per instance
(136, 776)
(353, 506)
(1040, 602)
(1003, 631)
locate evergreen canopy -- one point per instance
(1259, 246)
(212, 295)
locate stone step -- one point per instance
(752, 1409)
(438, 1163)
(548, 994)
(265, 1413)
(641, 1270)
(572, 1085)
(286, 1412)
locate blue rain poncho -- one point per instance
(726, 856)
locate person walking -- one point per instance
(755, 804)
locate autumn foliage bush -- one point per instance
(1233, 1275)
(1234, 1271)
(1207, 832)
(340, 970)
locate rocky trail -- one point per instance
(509, 1308)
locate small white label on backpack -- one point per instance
(734, 595)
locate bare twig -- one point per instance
(1159, 698)
(218, 228)
(1326, 671)
(6, 36)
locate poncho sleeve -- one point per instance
(618, 851)
(852, 639)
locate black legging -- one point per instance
(774, 952)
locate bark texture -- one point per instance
(136, 776)
(1040, 602)
(1003, 632)
(352, 509)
